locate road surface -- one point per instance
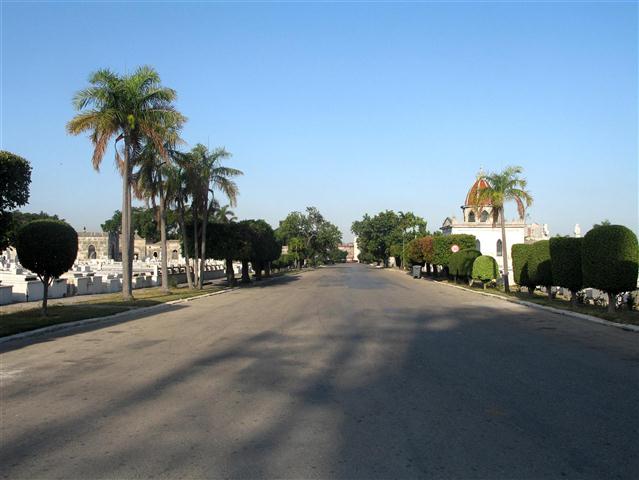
(342, 372)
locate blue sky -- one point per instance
(350, 107)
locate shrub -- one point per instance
(48, 248)
(443, 243)
(461, 263)
(565, 261)
(610, 260)
(539, 266)
(485, 269)
(520, 254)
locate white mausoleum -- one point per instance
(478, 220)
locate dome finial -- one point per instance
(481, 173)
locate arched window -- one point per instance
(155, 254)
(471, 217)
(484, 216)
(499, 248)
(91, 253)
(478, 245)
(174, 255)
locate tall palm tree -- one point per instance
(503, 187)
(151, 184)
(210, 175)
(178, 194)
(132, 109)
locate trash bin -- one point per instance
(417, 271)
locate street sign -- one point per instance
(454, 248)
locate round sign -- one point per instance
(454, 248)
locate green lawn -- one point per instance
(108, 304)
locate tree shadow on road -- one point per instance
(403, 392)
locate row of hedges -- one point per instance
(433, 250)
(606, 258)
(460, 264)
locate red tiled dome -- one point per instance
(473, 193)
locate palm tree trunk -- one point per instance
(196, 244)
(504, 250)
(186, 252)
(127, 258)
(163, 249)
(205, 221)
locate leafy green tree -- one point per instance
(15, 178)
(20, 219)
(308, 236)
(133, 109)
(610, 261)
(504, 186)
(386, 234)
(48, 248)
(144, 222)
(603, 223)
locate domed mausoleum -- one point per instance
(478, 219)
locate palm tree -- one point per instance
(210, 175)
(151, 182)
(224, 214)
(132, 109)
(178, 195)
(504, 186)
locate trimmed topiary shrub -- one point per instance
(539, 266)
(565, 261)
(461, 263)
(485, 269)
(48, 248)
(442, 246)
(610, 260)
(520, 254)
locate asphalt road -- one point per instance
(343, 372)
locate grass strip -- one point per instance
(107, 304)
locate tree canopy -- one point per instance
(387, 233)
(15, 178)
(309, 235)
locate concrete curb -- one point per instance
(560, 311)
(115, 316)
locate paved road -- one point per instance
(343, 372)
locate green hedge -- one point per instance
(485, 268)
(443, 243)
(520, 254)
(565, 261)
(461, 263)
(539, 266)
(610, 259)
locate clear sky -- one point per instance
(350, 107)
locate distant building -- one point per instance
(349, 249)
(478, 220)
(106, 246)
